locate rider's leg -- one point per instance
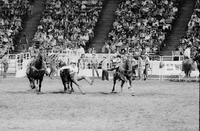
(103, 74)
(85, 78)
(144, 74)
(75, 81)
(106, 75)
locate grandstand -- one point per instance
(151, 25)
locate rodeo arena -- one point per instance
(99, 65)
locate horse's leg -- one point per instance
(40, 84)
(79, 78)
(31, 83)
(69, 91)
(64, 84)
(40, 81)
(72, 89)
(114, 83)
(130, 86)
(122, 84)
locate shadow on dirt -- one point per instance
(63, 92)
(86, 93)
(99, 93)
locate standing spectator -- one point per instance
(30, 9)
(94, 63)
(24, 42)
(141, 67)
(5, 65)
(104, 66)
(147, 66)
(81, 63)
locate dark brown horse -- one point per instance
(65, 77)
(35, 72)
(187, 67)
(197, 59)
(124, 73)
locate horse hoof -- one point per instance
(38, 92)
(68, 92)
(132, 94)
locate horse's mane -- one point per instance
(38, 61)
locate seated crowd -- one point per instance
(67, 24)
(141, 25)
(192, 37)
(12, 13)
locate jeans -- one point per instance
(105, 75)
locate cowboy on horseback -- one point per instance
(124, 73)
(197, 59)
(187, 62)
(117, 62)
(32, 64)
(36, 70)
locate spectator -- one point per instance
(12, 13)
(192, 37)
(142, 23)
(67, 23)
(104, 65)
(24, 43)
(94, 63)
(5, 62)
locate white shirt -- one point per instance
(71, 69)
(104, 65)
(187, 52)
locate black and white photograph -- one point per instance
(99, 65)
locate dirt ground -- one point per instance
(156, 106)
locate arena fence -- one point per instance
(161, 67)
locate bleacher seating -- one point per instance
(142, 25)
(12, 13)
(192, 36)
(67, 24)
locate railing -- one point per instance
(18, 62)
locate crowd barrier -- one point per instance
(18, 64)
